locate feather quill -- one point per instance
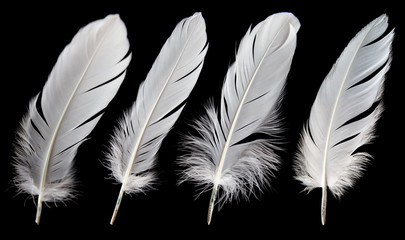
(344, 114)
(86, 76)
(159, 102)
(224, 156)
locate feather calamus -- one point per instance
(160, 100)
(224, 156)
(344, 114)
(86, 76)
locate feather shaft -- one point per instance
(324, 201)
(212, 203)
(39, 210)
(118, 204)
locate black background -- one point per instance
(34, 35)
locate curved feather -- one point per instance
(344, 114)
(159, 103)
(85, 78)
(224, 156)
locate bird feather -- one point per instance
(344, 114)
(86, 76)
(225, 155)
(159, 102)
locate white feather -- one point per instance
(83, 81)
(336, 128)
(159, 103)
(224, 156)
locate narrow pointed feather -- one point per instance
(85, 78)
(160, 100)
(223, 156)
(344, 114)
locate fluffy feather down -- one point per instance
(252, 170)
